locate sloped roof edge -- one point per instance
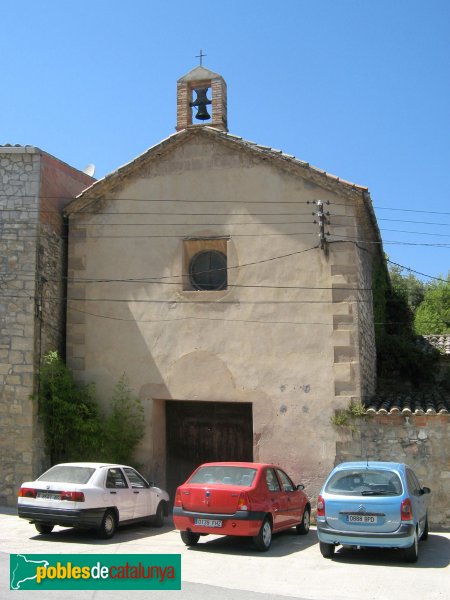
(96, 189)
(199, 73)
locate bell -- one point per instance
(202, 113)
(201, 102)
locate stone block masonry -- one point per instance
(19, 189)
(34, 187)
(422, 441)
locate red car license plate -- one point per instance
(361, 519)
(208, 522)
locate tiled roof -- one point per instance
(432, 402)
(266, 152)
(439, 342)
(275, 152)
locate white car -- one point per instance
(91, 495)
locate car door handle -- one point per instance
(135, 492)
(113, 492)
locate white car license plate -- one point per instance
(47, 496)
(208, 522)
(362, 519)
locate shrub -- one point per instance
(125, 427)
(74, 428)
(69, 413)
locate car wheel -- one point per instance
(109, 525)
(327, 550)
(425, 530)
(44, 527)
(303, 527)
(263, 540)
(412, 553)
(158, 519)
(189, 537)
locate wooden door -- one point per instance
(198, 432)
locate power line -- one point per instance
(171, 301)
(355, 240)
(210, 201)
(213, 319)
(331, 218)
(416, 272)
(237, 235)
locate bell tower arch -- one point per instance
(202, 99)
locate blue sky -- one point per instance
(360, 88)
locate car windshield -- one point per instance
(365, 482)
(68, 474)
(241, 476)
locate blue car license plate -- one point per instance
(361, 519)
(208, 522)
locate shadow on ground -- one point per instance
(434, 553)
(125, 533)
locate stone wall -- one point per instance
(19, 192)
(421, 441)
(34, 187)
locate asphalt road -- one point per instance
(229, 568)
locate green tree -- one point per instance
(408, 287)
(433, 314)
(399, 360)
(125, 427)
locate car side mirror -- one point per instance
(300, 487)
(151, 484)
(425, 490)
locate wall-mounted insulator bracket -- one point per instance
(322, 220)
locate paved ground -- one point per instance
(229, 568)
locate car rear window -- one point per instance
(67, 474)
(241, 476)
(365, 482)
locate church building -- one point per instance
(231, 283)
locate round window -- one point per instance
(208, 270)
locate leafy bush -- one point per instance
(75, 429)
(124, 427)
(69, 413)
(400, 359)
(399, 302)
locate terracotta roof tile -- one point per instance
(439, 342)
(432, 402)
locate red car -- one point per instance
(240, 498)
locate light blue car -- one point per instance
(373, 504)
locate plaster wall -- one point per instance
(270, 338)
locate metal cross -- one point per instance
(200, 56)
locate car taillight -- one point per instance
(406, 510)
(177, 501)
(25, 492)
(243, 502)
(72, 496)
(320, 507)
